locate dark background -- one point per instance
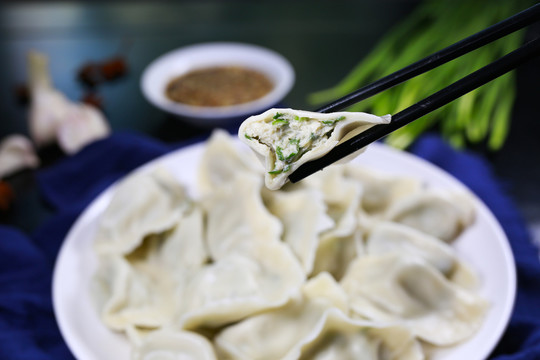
(322, 40)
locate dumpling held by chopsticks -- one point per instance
(284, 139)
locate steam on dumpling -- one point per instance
(287, 138)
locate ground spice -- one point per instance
(218, 86)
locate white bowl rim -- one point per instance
(159, 72)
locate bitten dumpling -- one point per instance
(287, 138)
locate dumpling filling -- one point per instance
(287, 138)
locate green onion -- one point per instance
(332, 122)
(481, 115)
(279, 153)
(247, 136)
(290, 157)
(279, 119)
(294, 141)
(275, 172)
(280, 122)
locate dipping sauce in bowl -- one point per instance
(214, 84)
(219, 86)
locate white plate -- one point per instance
(177, 62)
(484, 245)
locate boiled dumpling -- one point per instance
(255, 277)
(279, 334)
(142, 204)
(303, 215)
(388, 237)
(443, 215)
(342, 197)
(381, 190)
(287, 138)
(335, 253)
(340, 244)
(346, 339)
(174, 345)
(314, 325)
(234, 220)
(222, 160)
(408, 290)
(128, 295)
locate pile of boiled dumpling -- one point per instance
(347, 264)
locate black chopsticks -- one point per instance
(440, 98)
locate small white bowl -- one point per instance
(161, 71)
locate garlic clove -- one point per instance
(16, 153)
(82, 124)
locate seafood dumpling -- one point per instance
(285, 138)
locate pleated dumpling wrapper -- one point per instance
(284, 139)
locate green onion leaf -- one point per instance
(332, 122)
(279, 153)
(280, 122)
(292, 155)
(275, 172)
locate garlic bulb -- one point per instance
(55, 118)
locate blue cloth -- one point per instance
(27, 325)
